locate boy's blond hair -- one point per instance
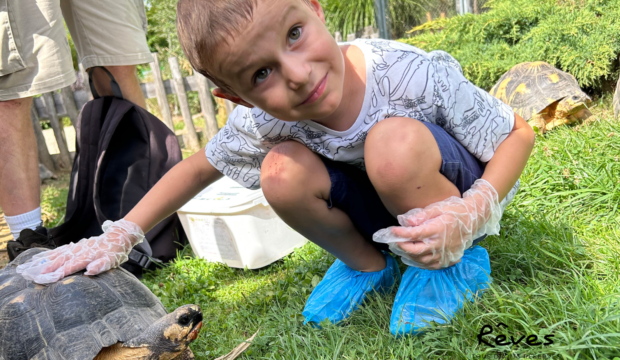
(204, 24)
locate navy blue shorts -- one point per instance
(352, 192)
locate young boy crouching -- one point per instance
(347, 141)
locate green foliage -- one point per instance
(74, 54)
(348, 16)
(162, 30)
(582, 38)
(351, 16)
(162, 38)
(54, 200)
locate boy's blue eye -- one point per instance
(261, 75)
(294, 34)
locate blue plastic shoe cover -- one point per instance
(436, 295)
(343, 289)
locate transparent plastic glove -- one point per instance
(343, 290)
(96, 254)
(436, 237)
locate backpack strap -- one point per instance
(141, 254)
(80, 213)
(116, 89)
(141, 259)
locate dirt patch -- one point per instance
(5, 234)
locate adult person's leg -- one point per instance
(19, 171)
(35, 59)
(112, 36)
(126, 78)
(39, 62)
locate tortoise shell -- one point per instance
(530, 87)
(74, 318)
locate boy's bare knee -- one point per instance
(285, 171)
(397, 150)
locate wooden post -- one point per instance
(338, 36)
(44, 155)
(206, 105)
(64, 158)
(442, 15)
(230, 106)
(160, 90)
(476, 7)
(429, 18)
(69, 102)
(462, 7)
(190, 130)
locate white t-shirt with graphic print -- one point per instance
(401, 80)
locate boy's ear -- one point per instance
(316, 6)
(221, 93)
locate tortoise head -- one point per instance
(171, 334)
(574, 107)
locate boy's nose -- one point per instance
(296, 72)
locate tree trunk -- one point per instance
(160, 90)
(206, 105)
(44, 155)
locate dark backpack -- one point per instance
(122, 151)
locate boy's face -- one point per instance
(285, 62)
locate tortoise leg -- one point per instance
(185, 355)
(559, 122)
(118, 352)
(539, 122)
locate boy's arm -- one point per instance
(508, 162)
(101, 253)
(436, 236)
(177, 187)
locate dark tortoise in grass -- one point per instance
(111, 316)
(542, 95)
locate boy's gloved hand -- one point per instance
(96, 254)
(436, 237)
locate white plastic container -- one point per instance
(231, 224)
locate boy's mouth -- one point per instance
(317, 92)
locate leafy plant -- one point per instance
(351, 16)
(582, 38)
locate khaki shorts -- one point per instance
(35, 56)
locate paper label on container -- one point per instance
(212, 239)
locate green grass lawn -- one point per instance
(556, 271)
